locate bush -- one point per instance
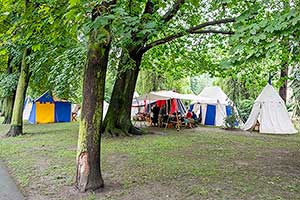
(244, 108)
(231, 121)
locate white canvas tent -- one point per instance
(27, 108)
(137, 105)
(166, 95)
(214, 106)
(270, 111)
(105, 108)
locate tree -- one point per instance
(88, 176)
(36, 30)
(17, 119)
(273, 28)
(147, 33)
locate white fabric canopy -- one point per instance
(270, 111)
(213, 95)
(165, 95)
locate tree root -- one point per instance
(115, 132)
(14, 131)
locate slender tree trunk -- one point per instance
(16, 127)
(284, 76)
(8, 109)
(8, 101)
(88, 176)
(118, 117)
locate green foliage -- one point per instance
(244, 108)
(198, 83)
(295, 85)
(231, 121)
(8, 84)
(150, 81)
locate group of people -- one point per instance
(161, 116)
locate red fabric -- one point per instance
(160, 103)
(173, 105)
(189, 115)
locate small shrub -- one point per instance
(244, 107)
(231, 121)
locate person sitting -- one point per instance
(194, 116)
(189, 120)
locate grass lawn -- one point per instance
(202, 163)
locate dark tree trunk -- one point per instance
(118, 118)
(16, 127)
(8, 109)
(8, 102)
(283, 88)
(88, 175)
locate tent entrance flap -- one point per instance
(210, 115)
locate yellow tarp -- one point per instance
(44, 113)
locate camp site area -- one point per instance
(149, 100)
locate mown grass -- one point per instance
(205, 163)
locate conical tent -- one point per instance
(270, 112)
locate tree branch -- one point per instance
(172, 12)
(214, 31)
(193, 30)
(211, 23)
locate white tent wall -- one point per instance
(220, 114)
(203, 109)
(253, 117)
(27, 110)
(270, 111)
(105, 108)
(275, 119)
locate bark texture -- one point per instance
(283, 88)
(118, 117)
(8, 101)
(7, 109)
(16, 127)
(88, 176)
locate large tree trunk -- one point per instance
(118, 117)
(88, 176)
(16, 127)
(284, 76)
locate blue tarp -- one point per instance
(32, 115)
(46, 97)
(62, 111)
(228, 110)
(210, 115)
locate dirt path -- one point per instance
(8, 189)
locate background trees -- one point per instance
(109, 49)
